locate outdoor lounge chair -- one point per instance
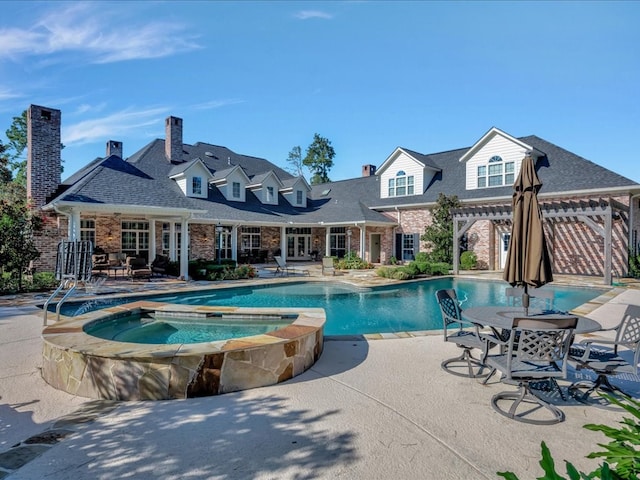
(100, 261)
(465, 338)
(137, 268)
(602, 356)
(327, 266)
(537, 350)
(159, 265)
(283, 268)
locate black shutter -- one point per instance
(399, 247)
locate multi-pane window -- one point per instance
(196, 185)
(408, 246)
(269, 194)
(250, 238)
(166, 236)
(88, 231)
(298, 197)
(401, 185)
(338, 241)
(135, 239)
(236, 189)
(496, 173)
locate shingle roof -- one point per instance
(143, 180)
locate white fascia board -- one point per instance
(122, 209)
(488, 136)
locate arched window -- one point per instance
(401, 185)
(496, 173)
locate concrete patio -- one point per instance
(367, 409)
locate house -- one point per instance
(208, 201)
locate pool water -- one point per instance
(353, 310)
(136, 328)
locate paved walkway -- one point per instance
(366, 410)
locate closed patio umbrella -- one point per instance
(528, 261)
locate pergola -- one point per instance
(598, 215)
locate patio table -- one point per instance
(501, 317)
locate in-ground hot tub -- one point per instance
(90, 366)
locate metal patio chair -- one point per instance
(602, 356)
(537, 350)
(464, 334)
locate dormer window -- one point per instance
(401, 185)
(496, 173)
(298, 197)
(196, 185)
(236, 190)
(269, 194)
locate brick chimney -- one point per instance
(173, 140)
(43, 153)
(114, 148)
(368, 170)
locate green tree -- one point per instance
(5, 171)
(439, 235)
(17, 136)
(295, 161)
(319, 159)
(18, 224)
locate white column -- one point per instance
(234, 242)
(172, 241)
(184, 249)
(327, 239)
(283, 243)
(73, 231)
(152, 240)
(363, 237)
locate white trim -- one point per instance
(488, 136)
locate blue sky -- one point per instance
(263, 77)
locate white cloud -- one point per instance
(114, 125)
(7, 94)
(217, 104)
(307, 14)
(79, 28)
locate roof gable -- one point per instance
(489, 136)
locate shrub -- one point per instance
(352, 261)
(385, 272)
(227, 272)
(412, 268)
(440, 268)
(422, 257)
(634, 265)
(468, 260)
(393, 261)
(401, 274)
(406, 272)
(44, 281)
(41, 281)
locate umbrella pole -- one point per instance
(525, 300)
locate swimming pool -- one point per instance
(352, 310)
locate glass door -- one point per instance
(298, 246)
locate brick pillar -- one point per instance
(43, 153)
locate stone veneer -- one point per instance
(84, 365)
